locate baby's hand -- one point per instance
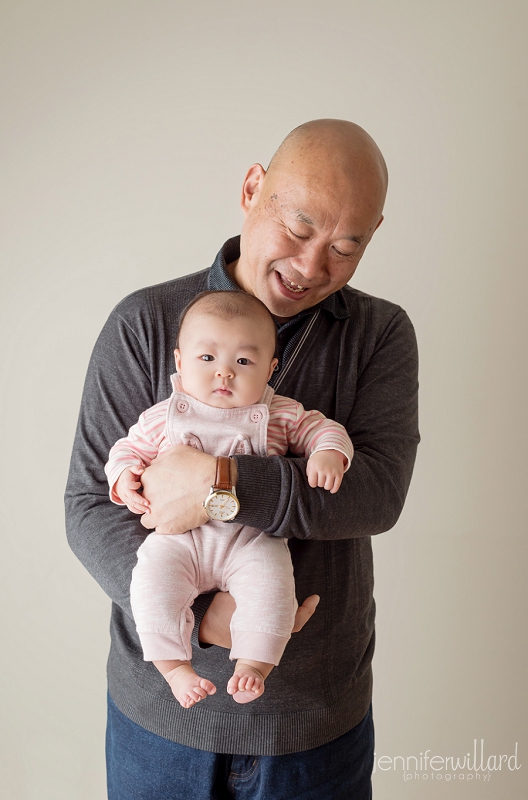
(325, 468)
(126, 488)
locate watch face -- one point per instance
(222, 506)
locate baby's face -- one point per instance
(224, 363)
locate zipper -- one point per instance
(298, 347)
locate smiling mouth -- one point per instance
(292, 287)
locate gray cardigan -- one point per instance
(354, 358)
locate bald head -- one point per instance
(309, 217)
(333, 145)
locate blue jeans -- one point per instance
(143, 766)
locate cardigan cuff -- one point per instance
(258, 490)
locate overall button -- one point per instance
(256, 416)
(182, 406)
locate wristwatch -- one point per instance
(222, 503)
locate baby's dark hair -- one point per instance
(229, 305)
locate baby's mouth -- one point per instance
(292, 287)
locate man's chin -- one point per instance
(283, 309)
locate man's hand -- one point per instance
(214, 628)
(176, 484)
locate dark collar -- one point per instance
(221, 280)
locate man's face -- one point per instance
(303, 236)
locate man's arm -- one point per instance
(383, 427)
(215, 627)
(117, 389)
(274, 492)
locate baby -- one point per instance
(221, 404)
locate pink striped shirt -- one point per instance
(290, 427)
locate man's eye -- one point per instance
(243, 361)
(297, 235)
(343, 255)
(207, 357)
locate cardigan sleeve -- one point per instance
(106, 537)
(383, 426)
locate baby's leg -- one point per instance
(187, 687)
(247, 681)
(164, 585)
(260, 578)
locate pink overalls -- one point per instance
(254, 567)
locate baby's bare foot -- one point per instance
(246, 683)
(187, 687)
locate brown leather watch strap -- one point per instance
(223, 474)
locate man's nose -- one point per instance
(311, 261)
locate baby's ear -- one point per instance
(273, 364)
(177, 359)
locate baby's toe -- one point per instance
(207, 686)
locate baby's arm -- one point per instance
(323, 441)
(325, 468)
(131, 455)
(126, 490)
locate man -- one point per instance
(308, 220)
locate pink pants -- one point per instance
(254, 567)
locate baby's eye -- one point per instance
(207, 357)
(243, 361)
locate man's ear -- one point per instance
(252, 186)
(379, 222)
(177, 359)
(273, 364)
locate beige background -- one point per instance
(126, 129)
